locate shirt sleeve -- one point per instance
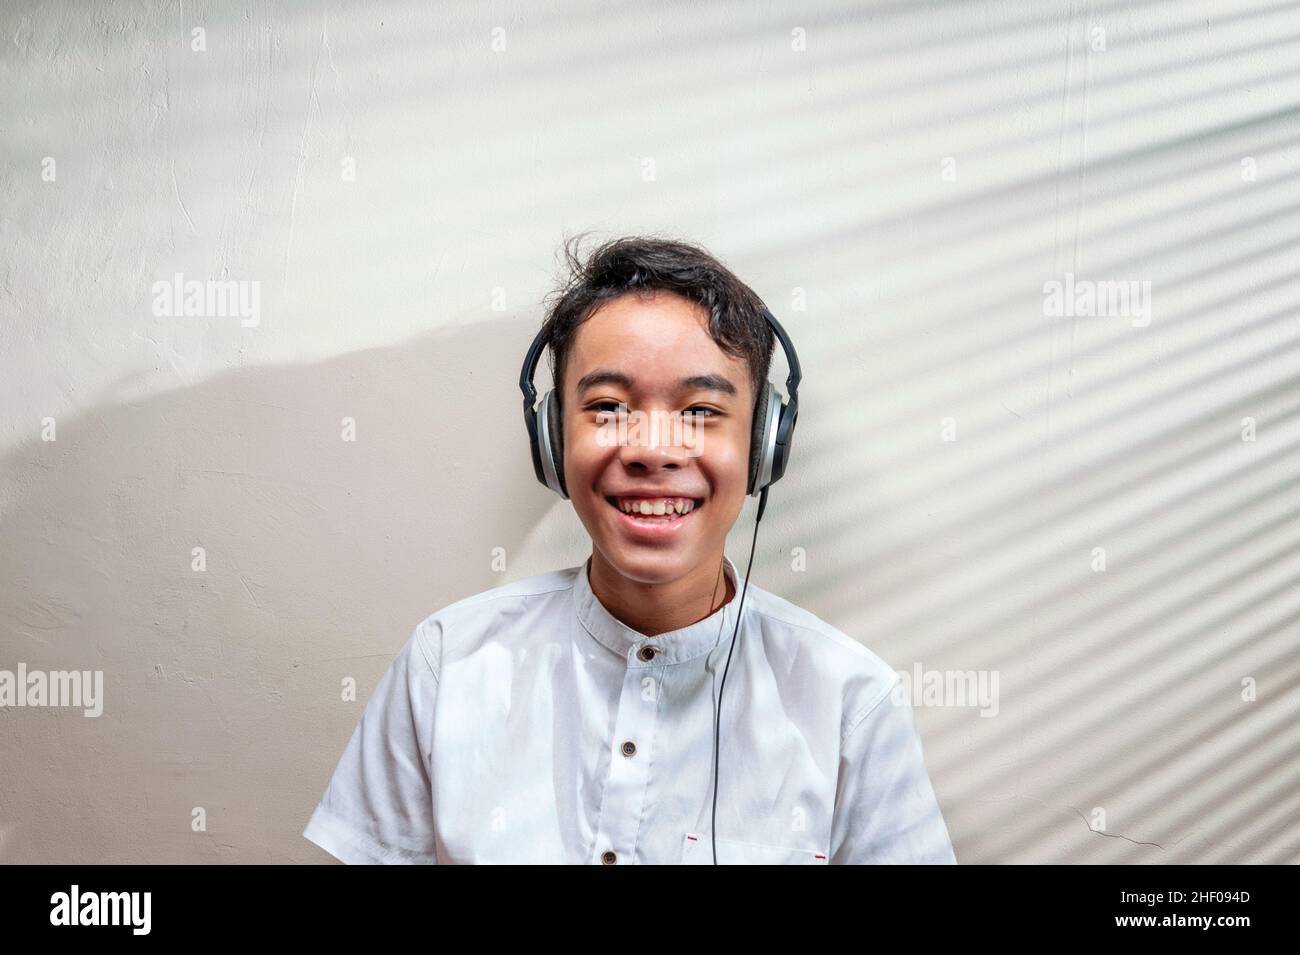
(378, 807)
(885, 808)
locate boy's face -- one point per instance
(657, 344)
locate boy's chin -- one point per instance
(647, 566)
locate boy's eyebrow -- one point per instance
(607, 376)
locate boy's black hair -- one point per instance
(643, 265)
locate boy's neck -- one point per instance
(652, 609)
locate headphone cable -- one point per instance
(717, 717)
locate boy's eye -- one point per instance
(698, 411)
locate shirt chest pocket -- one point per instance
(697, 850)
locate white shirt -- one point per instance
(527, 724)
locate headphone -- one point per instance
(769, 447)
(771, 435)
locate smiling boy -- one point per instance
(569, 717)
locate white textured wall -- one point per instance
(405, 299)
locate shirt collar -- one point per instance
(675, 646)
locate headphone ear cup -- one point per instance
(555, 426)
(784, 441)
(758, 436)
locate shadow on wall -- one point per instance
(221, 687)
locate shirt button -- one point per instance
(647, 653)
(608, 857)
(629, 748)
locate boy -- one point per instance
(570, 717)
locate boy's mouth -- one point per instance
(651, 511)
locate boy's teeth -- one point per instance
(664, 505)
